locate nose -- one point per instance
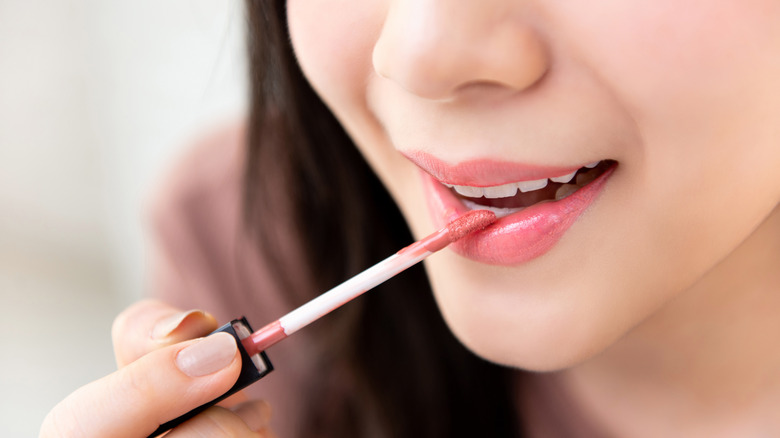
(436, 48)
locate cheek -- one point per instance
(646, 48)
(695, 77)
(333, 42)
(701, 81)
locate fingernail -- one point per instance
(207, 356)
(169, 324)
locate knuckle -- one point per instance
(131, 329)
(218, 422)
(124, 320)
(256, 414)
(119, 332)
(118, 326)
(215, 427)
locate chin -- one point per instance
(547, 349)
(544, 329)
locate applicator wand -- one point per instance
(252, 346)
(366, 280)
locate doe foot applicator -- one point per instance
(252, 346)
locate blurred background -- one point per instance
(97, 98)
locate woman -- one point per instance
(634, 150)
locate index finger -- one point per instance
(150, 325)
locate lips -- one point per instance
(533, 220)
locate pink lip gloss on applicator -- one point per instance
(252, 345)
(366, 280)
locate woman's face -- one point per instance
(678, 101)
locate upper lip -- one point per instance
(484, 172)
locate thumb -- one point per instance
(158, 387)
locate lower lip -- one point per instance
(518, 237)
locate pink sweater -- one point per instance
(202, 260)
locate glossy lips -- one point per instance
(520, 236)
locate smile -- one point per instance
(510, 198)
(536, 205)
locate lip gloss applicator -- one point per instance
(411, 255)
(252, 346)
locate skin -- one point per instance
(150, 389)
(658, 302)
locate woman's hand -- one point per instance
(162, 375)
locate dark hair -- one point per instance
(394, 368)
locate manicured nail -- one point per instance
(169, 324)
(208, 355)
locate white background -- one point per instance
(96, 99)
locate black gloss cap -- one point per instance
(253, 368)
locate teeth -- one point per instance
(565, 178)
(527, 186)
(565, 190)
(592, 165)
(504, 191)
(469, 191)
(500, 212)
(509, 190)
